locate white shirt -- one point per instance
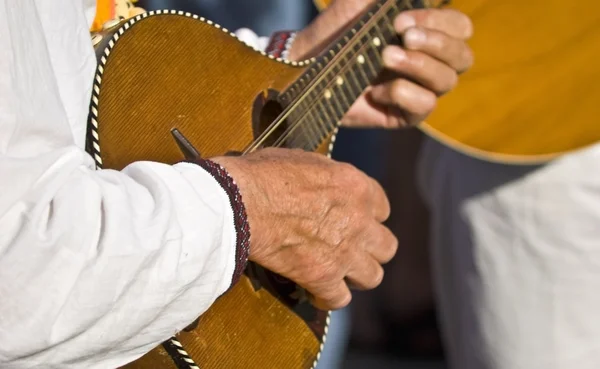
(96, 267)
(515, 258)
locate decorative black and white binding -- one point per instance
(179, 355)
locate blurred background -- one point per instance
(393, 326)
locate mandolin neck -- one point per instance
(323, 94)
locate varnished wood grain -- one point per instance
(533, 91)
(159, 84)
(152, 82)
(243, 329)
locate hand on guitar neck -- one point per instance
(318, 222)
(434, 53)
(314, 221)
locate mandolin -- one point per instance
(533, 92)
(170, 81)
(168, 78)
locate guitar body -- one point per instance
(533, 92)
(148, 82)
(529, 97)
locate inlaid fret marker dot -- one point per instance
(339, 81)
(327, 94)
(361, 59)
(376, 41)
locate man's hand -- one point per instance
(314, 221)
(435, 52)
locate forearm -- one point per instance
(324, 29)
(105, 265)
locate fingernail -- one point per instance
(403, 22)
(393, 56)
(414, 37)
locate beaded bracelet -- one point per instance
(280, 44)
(242, 228)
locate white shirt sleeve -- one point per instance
(96, 267)
(252, 39)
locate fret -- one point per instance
(302, 82)
(329, 118)
(324, 106)
(390, 35)
(379, 33)
(296, 141)
(298, 135)
(315, 131)
(320, 113)
(359, 71)
(323, 128)
(309, 133)
(322, 118)
(322, 95)
(303, 140)
(353, 86)
(374, 57)
(316, 122)
(329, 107)
(392, 12)
(346, 94)
(359, 62)
(336, 104)
(371, 69)
(342, 89)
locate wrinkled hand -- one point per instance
(435, 52)
(314, 221)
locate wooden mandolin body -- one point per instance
(157, 73)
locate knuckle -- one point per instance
(417, 60)
(336, 235)
(391, 249)
(393, 57)
(361, 186)
(323, 274)
(345, 171)
(398, 91)
(422, 17)
(429, 101)
(447, 84)
(341, 301)
(378, 278)
(375, 278)
(467, 26)
(354, 179)
(468, 57)
(425, 104)
(437, 41)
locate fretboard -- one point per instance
(325, 92)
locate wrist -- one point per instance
(246, 181)
(252, 183)
(240, 219)
(318, 35)
(300, 49)
(280, 44)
